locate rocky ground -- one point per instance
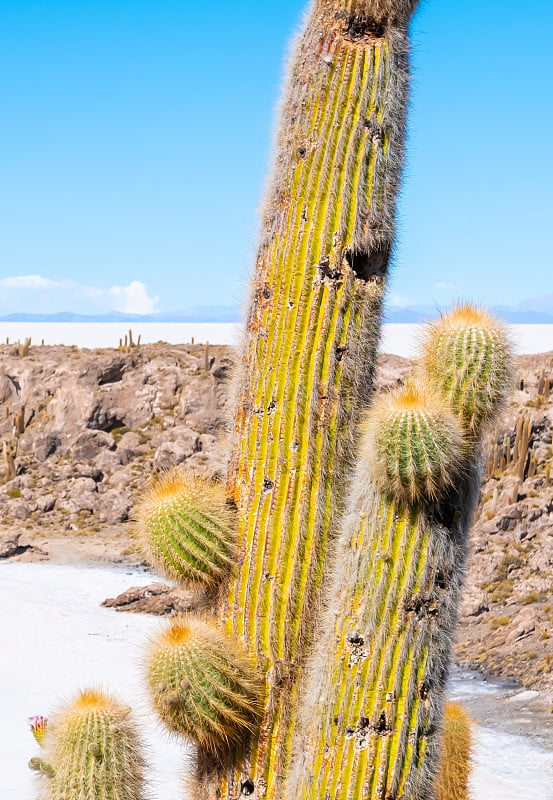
(84, 430)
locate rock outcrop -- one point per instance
(85, 430)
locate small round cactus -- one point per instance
(413, 445)
(91, 751)
(467, 356)
(187, 528)
(202, 684)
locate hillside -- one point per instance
(83, 431)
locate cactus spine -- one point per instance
(91, 752)
(372, 716)
(455, 758)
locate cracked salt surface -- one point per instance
(57, 639)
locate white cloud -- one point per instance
(29, 282)
(398, 300)
(445, 285)
(134, 299)
(39, 295)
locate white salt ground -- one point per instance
(56, 639)
(400, 339)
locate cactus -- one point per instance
(413, 446)
(309, 351)
(468, 357)
(202, 685)
(373, 707)
(91, 752)
(369, 666)
(186, 528)
(455, 758)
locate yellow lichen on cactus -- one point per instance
(456, 756)
(202, 684)
(467, 355)
(186, 528)
(412, 444)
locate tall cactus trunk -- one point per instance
(373, 717)
(309, 352)
(372, 712)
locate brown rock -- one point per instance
(112, 507)
(156, 598)
(87, 445)
(10, 546)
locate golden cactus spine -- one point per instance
(371, 719)
(310, 344)
(91, 752)
(202, 684)
(456, 755)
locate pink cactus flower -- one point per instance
(38, 725)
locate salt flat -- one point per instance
(56, 639)
(397, 339)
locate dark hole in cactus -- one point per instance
(357, 27)
(374, 128)
(327, 271)
(356, 639)
(381, 726)
(369, 265)
(247, 788)
(268, 484)
(441, 581)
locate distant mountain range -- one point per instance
(198, 314)
(528, 312)
(513, 316)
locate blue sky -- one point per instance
(136, 137)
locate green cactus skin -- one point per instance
(372, 714)
(309, 350)
(187, 529)
(467, 356)
(91, 752)
(413, 446)
(202, 685)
